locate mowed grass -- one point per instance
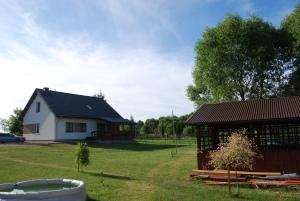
(136, 172)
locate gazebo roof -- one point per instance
(282, 108)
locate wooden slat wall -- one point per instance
(276, 157)
(274, 160)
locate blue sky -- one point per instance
(139, 53)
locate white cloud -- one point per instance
(138, 81)
(142, 20)
(247, 7)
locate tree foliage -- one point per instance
(128, 128)
(239, 59)
(238, 152)
(82, 156)
(100, 95)
(3, 125)
(163, 126)
(291, 25)
(14, 122)
(188, 131)
(149, 126)
(139, 126)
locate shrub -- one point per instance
(82, 156)
(238, 152)
(188, 131)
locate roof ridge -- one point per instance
(70, 93)
(252, 100)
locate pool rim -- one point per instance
(79, 187)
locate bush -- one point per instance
(188, 131)
(82, 156)
(238, 152)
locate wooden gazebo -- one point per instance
(274, 124)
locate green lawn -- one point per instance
(135, 172)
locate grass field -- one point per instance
(136, 172)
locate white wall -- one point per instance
(45, 118)
(61, 134)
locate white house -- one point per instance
(52, 115)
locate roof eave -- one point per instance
(89, 117)
(246, 121)
(34, 94)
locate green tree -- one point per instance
(188, 131)
(161, 127)
(100, 95)
(139, 126)
(150, 126)
(14, 122)
(82, 156)
(165, 125)
(128, 127)
(3, 125)
(239, 59)
(291, 25)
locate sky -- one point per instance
(140, 54)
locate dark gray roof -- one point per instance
(78, 106)
(283, 108)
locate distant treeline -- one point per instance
(165, 126)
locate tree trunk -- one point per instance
(242, 95)
(228, 177)
(237, 185)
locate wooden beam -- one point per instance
(239, 172)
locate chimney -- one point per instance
(46, 89)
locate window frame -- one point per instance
(69, 127)
(75, 127)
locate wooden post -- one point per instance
(228, 178)
(197, 130)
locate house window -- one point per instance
(69, 127)
(38, 106)
(82, 127)
(75, 127)
(31, 128)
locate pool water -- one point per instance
(40, 188)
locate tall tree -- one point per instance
(150, 126)
(139, 126)
(239, 59)
(14, 122)
(3, 125)
(100, 95)
(291, 25)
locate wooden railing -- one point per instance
(121, 135)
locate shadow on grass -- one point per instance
(134, 146)
(88, 198)
(106, 175)
(51, 143)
